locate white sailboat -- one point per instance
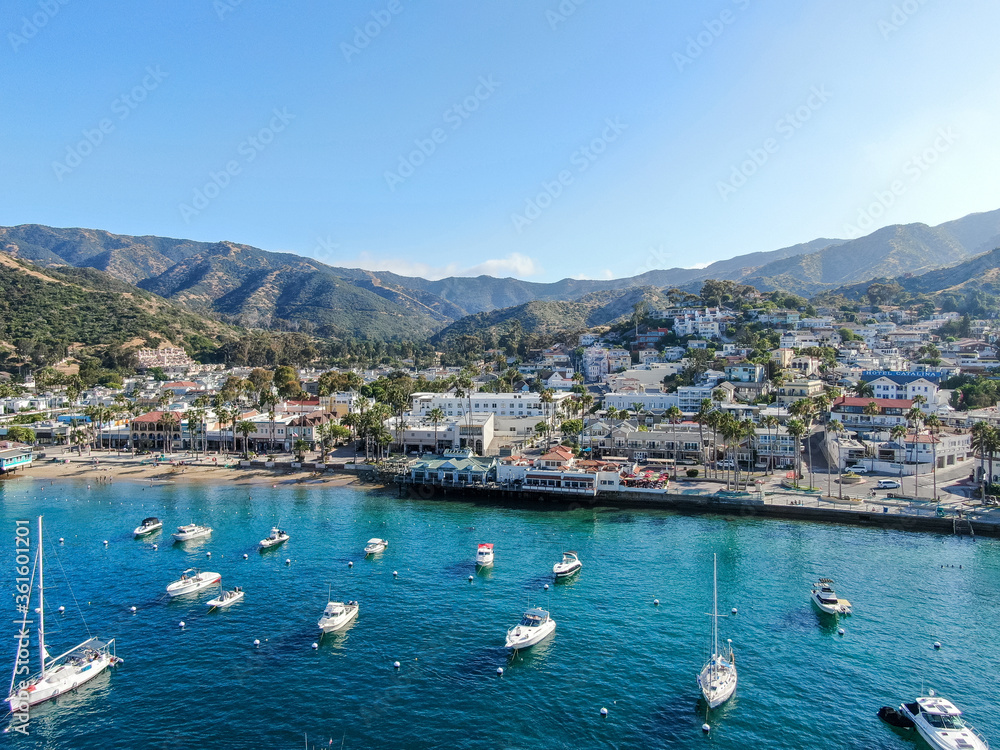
(65, 672)
(718, 677)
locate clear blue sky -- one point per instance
(825, 105)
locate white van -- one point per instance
(887, 484)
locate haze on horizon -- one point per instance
(540, 141)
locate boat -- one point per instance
(938, 721)
(484, 556)
(192, 580)
(375, 546)
(226, 598)
(717, 679)
(192, 531)
(824, 597)
(148, 526)
(337, 616)
(277, 537)
(570, 565)
(65, 672)
(535, 626)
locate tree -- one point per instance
(435, 415)
(573, 428)
(915, 416)
(933, 424)
(245, 427)
(21, 434)
(675, 416)
(797, 428)
(168, 421)
(300, 447)
(833, 430)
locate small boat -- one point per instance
(535, 626)
(277, 537)
(717, 679)
(570, 564)
(938, 721)
(375, 546)
(192, 580)
(484, 555)
(58, 675)
(226, 598)
(337, 616)
(148, 526)
(192, 531)
(824, 597)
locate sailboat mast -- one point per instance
(715, 604)
(41, 599)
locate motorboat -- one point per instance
(226, 598)
(58, 675)
(938, 721)
(277, 537)
(570, 565)
(824, 597)
(192, 531)
(484, 556)
(337, 616)
(148, 526)
(375, 546)
(192, 580)
(535, 626)
(717, 679)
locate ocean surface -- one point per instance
(801, 685)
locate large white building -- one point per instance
(502, 405)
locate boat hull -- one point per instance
(60, 680)
(192, 586)
(717, 691)
(144, 530)
(562, 571)
(840, 608)
(951, 739)
(268, 543)
(223, 603)
(338, 623)
(518, 639)
(187, 537)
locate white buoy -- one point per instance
(546, 587)
(706, 728)
(500, 671)
(350, 565)
(734, 610)
(132, 610)
(61, 540)
(105, 542)
(181, 623)
(604, 712)
(256, 642)
(396, 664)
(470, 579)
(245, 556)
(840, 631)
(937, 644)
(395, 573)
(315, 646)
(656, 602)
(288, 561)
(61, 610)
(208, 554)
(156, 546)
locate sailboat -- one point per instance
(718, 677)
(65, 672)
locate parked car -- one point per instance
(686, 462)
(726, 464)
(858, 469)
(888, 484)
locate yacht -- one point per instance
(484, 556)
(824, 597)
(375, 546)
(337, 616)
(941, 725)
(718, 677)
(65, 672)
(569, 566)
(192, 531)
(535, 626)
(277, 537)
(148, 526)
(192, 580)
(226, 598)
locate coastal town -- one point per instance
(884, 408)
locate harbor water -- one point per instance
(206, 685)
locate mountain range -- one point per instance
(251, 287)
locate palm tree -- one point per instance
(871, 409)
(980, 441)
(933, 424)
(168, 421)
(796, 428)
(194, 417)
(674, 415)
(833, 428)
(351, 421)
(300, 447)
(864, 390)
(770, 422)
(915, 417)
(701, 417)
(803, 409)
(897, 433)
(435, 415)
(244, 427)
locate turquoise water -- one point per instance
(206, 686)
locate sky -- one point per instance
(529, 138)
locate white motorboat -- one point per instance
(570, 564)
(226, 598)
(824, 597)
(535, 626)
(65, 672)
(941, 725)
(375, 546)
(717, 679)
(148, 526)
(337, 616)
(484, 555)
(192, 531)
(277, 537)
(192, 580)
